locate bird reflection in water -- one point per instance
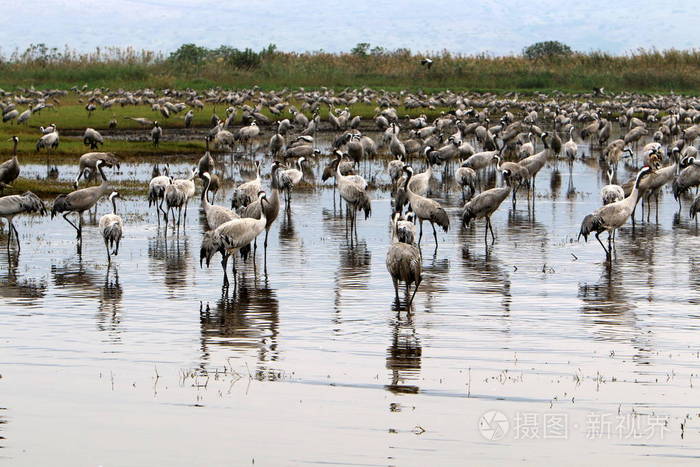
(555, 183)
(403, 357)
(435, 278)
(170, 258)
(75, 276)
(487, 276)
(16, 290)
(288, 237)
(109, 309)
(353, 273)
(248, 321)
(606, 303)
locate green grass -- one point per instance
(46, 188)
(640, 71)
(71, 119)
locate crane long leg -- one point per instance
(235, 272)
(16, 235)
(657, 207)
(109, 258)
(415, 289)
(9, 234)
(486, 232)
(396, 289)
(607, 252)
(72, 224)
(434, 234)
(224, 262)
(421, 231)
(493, 237)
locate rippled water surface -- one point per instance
(533, 350)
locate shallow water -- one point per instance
(149, 362)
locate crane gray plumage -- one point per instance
(13, 205)
(426, 209)
(231, 237)
(395, 169)
(48, 141)
(247, 192)
(79, 201)
(304, 150)
(111, 227)
(189, 117)
(215, 215)
(248, 133)
(420, 183)
(570, 147)
(175, 198)
(687, 178)
(612, 216)
(287, 179)
(352, 190)
(355, 149)
(534, 163)
(206, 163)
(156, 193)
(10, 169)
(485, 204)
(92, 138)
(88, 161)
(403, 261)
(480, 160)
(24, 116)
(156, 134)
(466, 179)
(405, 229)
(271, 206)
(10, 115)
(656, 181)
(611, 193)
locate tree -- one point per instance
(546, 49)
(189, 54)
(361, 49)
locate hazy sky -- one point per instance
(493, 26)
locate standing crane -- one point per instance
(612, 216)
(485, 204)
(111, 226)
(13, 205)
(403, 261)
(426, 209)
(80, 201)
(230, 237)
(9, 170)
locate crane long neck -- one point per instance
(103, 185)
(14, 149)
(339, 175)
(207, 184)
(114, 205)
(405, 185)
(635, 190)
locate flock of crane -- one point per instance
(477, 135)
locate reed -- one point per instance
(199, 68)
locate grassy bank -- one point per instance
(643, 71)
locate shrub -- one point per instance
(547, 49)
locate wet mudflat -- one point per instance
(535, 349)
